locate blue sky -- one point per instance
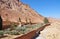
(47, 8)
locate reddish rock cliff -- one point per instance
(15, 11)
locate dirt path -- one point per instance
(51, 32)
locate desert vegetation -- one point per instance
(16, 30)
(46, 20)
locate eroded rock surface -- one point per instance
(13, 10)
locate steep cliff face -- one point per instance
(15, 11)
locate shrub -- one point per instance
(1, 33)
(14, 32)
(7, 31)
(13, 26)
(46, 20)
(21, 29)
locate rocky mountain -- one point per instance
(16, 11)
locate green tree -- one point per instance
(46, 20)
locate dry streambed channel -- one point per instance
(20, 32)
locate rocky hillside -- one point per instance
(53, 20)
(15, 11)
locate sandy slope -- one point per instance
(51, 32)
